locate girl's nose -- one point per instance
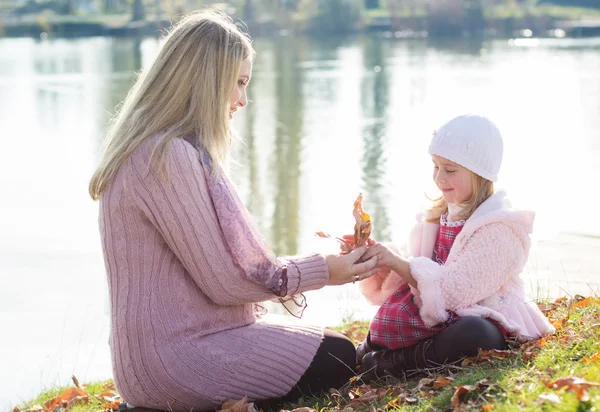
(243, 101)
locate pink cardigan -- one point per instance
(184, 334)
(481, 274)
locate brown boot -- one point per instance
(398, 363)
(361, 350)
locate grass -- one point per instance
(527, 378)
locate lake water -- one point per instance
(327, 120)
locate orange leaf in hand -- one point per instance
(362, 227)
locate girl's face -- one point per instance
(454, 181)
(238, 94)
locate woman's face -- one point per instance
(454, 181)
(238, 94)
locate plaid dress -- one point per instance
(397, 323)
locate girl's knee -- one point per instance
(466, 336)
(480, 332)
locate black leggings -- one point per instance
(462, 338)
(333, 365)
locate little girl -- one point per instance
(456, 288)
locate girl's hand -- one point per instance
(346, 268)
(391, 260)
(385, 256)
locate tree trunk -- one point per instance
(138, 12)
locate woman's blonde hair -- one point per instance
(184, 93)
(482, 189)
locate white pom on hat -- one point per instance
(472, 141)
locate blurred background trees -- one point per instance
(437, 17)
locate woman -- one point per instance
(185, 263)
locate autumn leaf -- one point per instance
(401, 399)
(574, 384)
(546, 308)
(487, 407)
(424, 382)
(459, 395)
(112, 406)
(238, 406)
(585, 302)
(53, 403)
(593, 358)
(71, 393)
(362, 226)
(442, 382)
(496, 354)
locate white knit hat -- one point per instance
(472, 141)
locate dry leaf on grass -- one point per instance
(69, 398)
(488, 356)
(401, 400)
(442, 382)
(241, 405)
(574, 384)
(593, 358)
(585, 302)
(547, 308)
(462, 391)
(459, 394)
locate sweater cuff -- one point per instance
(307, 273)
(428, 275)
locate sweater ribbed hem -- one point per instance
(307, 273)
(281, 355)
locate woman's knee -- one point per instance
(339, 345)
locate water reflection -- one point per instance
(323, 126)
(287, 150)
(374, 105)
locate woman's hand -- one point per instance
(347, 268)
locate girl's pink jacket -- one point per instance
(481, 274)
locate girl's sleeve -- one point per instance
(181, 210)
(492, 255)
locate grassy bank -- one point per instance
(561, 372)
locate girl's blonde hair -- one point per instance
(482, 189)
(184, 93)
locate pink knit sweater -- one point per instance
(480, 276)
(184, 334)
